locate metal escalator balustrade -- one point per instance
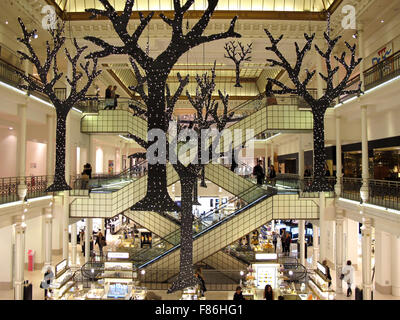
(199, 228)
(242, 222)
(199, 224)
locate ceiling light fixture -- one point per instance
(10, 128)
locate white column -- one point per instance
(103, 226)
(121, 151)
(339, 175)
(361, 53)
(74, 234)
(92, 153)
(301, 157)
(301, 226)
(50, 145)
(339, 249)
(273, 156)
(364, 151)
(19, 262)
(383, 262)
(395, 266)
(21, 150)
(65, 226)
(322, 226)
(366, 258)
(88, 233)
(266, 156)
(48, 225)
(315, 245)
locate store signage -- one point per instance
(266, 256)
(321, 268)
(118, 255)
(61, 267)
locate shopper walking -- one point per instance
(268, 293)
(47, 279)
(101, 242)
(288, 241)
(272, 175)
(238, 296)
(258, 171)
(274, 240)
(109, 102)
(202, 283)
(348, 276)
(115, 97)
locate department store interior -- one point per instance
(256, 221)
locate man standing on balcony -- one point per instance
(258, 171)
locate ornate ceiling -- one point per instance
(223, 5)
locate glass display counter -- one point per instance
(319, 283)
(192, 293)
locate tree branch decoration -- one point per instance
(47, 87)
(206, 115)
(156, 71)
(238, 56)
(318, 106)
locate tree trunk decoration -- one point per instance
(156, 74)
(206, 117)
(318, 106)
(47, 87)
(238, 56)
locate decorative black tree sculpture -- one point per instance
(318, 106)
(237, 56)
(157, 71)
(206, 116)
(47, 87)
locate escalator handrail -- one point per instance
(248, 206)
(200, 219)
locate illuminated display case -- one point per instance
(191, 293)
(319, 283)
(62, 282)
(266, 273)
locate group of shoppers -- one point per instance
(86, 175)
(111, 98)
(100, 241)
(258, 172)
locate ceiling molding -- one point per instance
(219, 15)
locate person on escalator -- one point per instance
(272, 175)
(258, 171)
(271, 100)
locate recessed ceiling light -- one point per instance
(10, 128)
(382, 21)
(6, 21)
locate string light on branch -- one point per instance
(318, 106)
(238, 56)
(47, 86)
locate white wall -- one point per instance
(34, 236)
(6, 255)
(8, 152)
(350, 241)
(36, 164)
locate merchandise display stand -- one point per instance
(192, 293)
(319, 284)
(63, 281)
